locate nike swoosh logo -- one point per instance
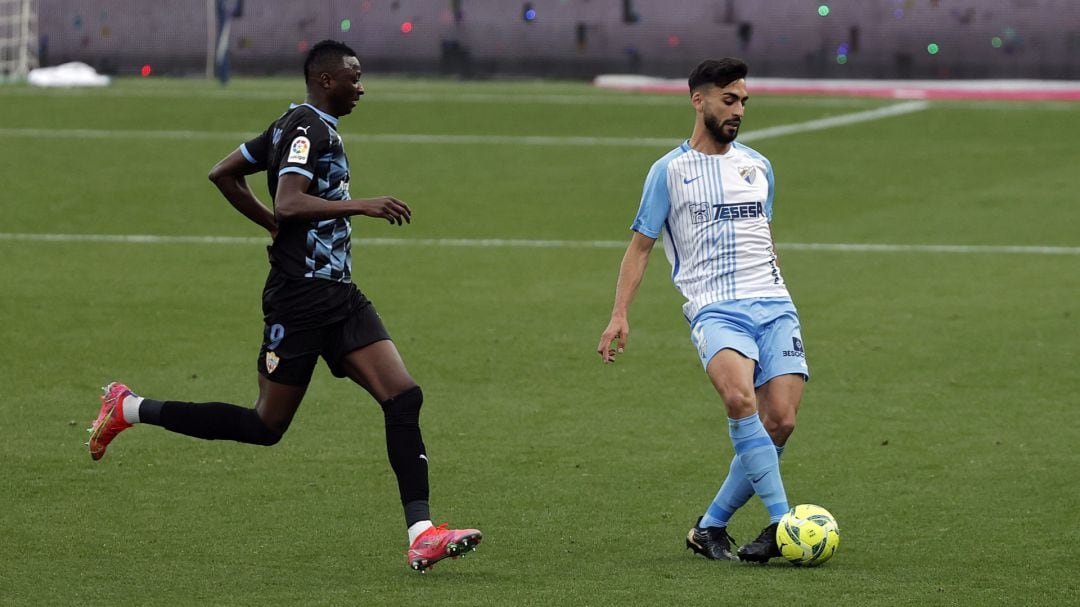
(758, 479)
(688, 181)
(423, 457)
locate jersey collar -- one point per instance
(327, 117)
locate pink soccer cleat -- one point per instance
(437, 543)
(110, 421)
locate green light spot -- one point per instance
(841, 59)
(932, 48)
(346, 25)
(823, 10)
(995, 42)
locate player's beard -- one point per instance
(716, 129)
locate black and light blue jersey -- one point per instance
(305, 140)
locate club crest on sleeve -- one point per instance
(298, 150)
(272, 361)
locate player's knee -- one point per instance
(779, 426)
(404, 409)
(739, 403)
(257, 432)
(268, 438)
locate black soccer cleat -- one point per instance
(710, 542)
(763, 548)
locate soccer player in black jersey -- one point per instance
(310, 306)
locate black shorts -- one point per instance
(289, 357)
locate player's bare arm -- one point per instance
(293, 202)
(229, 177)
(631, 271)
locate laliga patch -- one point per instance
(272, 361)
(298, 150)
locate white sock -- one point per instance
(130, 407)
(417, 528)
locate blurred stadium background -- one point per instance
(565, 38)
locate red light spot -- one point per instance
(145, 71)
(302, 46)
(673, 40)
(406, 27)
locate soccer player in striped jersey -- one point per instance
(712, 200)
(311, 308)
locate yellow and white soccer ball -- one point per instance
(807, 535)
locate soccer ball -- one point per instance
(807, 535)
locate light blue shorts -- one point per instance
(764, 330)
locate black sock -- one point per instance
(211, 421)
(150, 411)
(416, 511)
(405, 448)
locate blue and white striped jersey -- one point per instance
(714, 213)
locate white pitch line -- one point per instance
(897, 109)
(534, 244)
(378, 95)
(367, 138)
(928, 248)
(536, 140)
(388, 97)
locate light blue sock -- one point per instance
(734, 493)
(757, 456)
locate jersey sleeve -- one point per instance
(302, 147)
(655, 202)
(772, 189)
(257, 150)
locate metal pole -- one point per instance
(211, 38)
(22, 68)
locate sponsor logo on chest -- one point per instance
(704, 212)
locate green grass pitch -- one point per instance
(940, 426)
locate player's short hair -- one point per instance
(720, 72)
(323, 54)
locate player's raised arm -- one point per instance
(229, 177)
(631, 271)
